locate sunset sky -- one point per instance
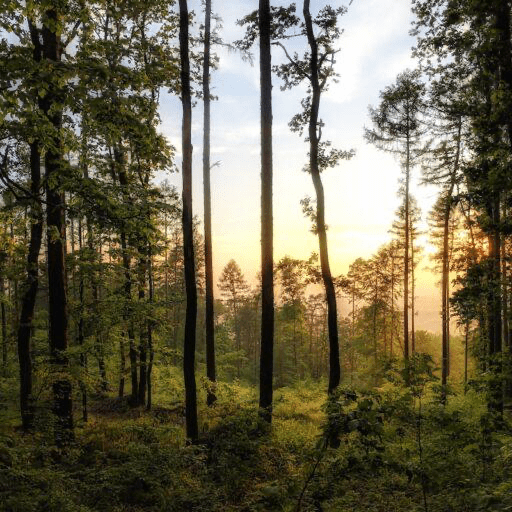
(361, 195)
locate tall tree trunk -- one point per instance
(413, 291)
(55, 220)
(494, 312)
(189, 348)
(32, 276)
(143, 336)
(127, 318)
(445, 293)
(119, 166)
(151, 298)
(122, 367)
(406, 261)
(3, 312)
(30, 291)
(208, 263)
(466, 339)
(81, 326)
(267, 230)
(332, 316)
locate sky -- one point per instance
(361, 194)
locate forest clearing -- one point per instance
(141, 369)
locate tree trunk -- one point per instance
(81, 327)
(494, 312)
(445, 293)
(332, 316)
(208, 263)
(188, 236)
(119, 163)
(406, 262)
(56, 225)
(122, 367)
(5, 351)
(413, 291)
(151, 351)
(267, 233)
(143, 337)
(30, 292)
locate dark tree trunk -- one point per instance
(5, 341)
(494, 309)
(208, 263)
(143, 337)
(330, 293)
(122, 368)
(127, 311)
(267, 236)
(413, 291)
(445, 283)
(188, 236)
(119, 165)
(32, 278)
(150, 329)
(30, 292)
(81, 327)
(406, 262)
(55, 220)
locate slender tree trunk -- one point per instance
(267, 231)
(392, 303)
(55, 219)
(151, 298)
(495, 321)
(81, 327)
(143, 337)
(208, 262)
(406, 260)
(119, 164)
(5, 341)
(413, 291)
(188, 236)
(122, 367)
(30, 293)
(444, 294)
(466, 339)
(32, 276)
(332, 316)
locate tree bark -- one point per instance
(81, 327)
(208, 263)
(151, 297)
(406, 260)
(143, 337)
(119, 164)
(56, 225)
(267, 235)
(188, 236)
(29, 296)
(332, 315)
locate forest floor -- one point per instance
(393, 456)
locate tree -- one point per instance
(267, 258)
(397, 128)
(234, 290)
(55, 169)
(399, 230)
(209, 300)
(316, 69)
(188, 234)
(473, 56)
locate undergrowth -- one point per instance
(396, 449)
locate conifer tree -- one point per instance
(398, 128)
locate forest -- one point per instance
(133, 378)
